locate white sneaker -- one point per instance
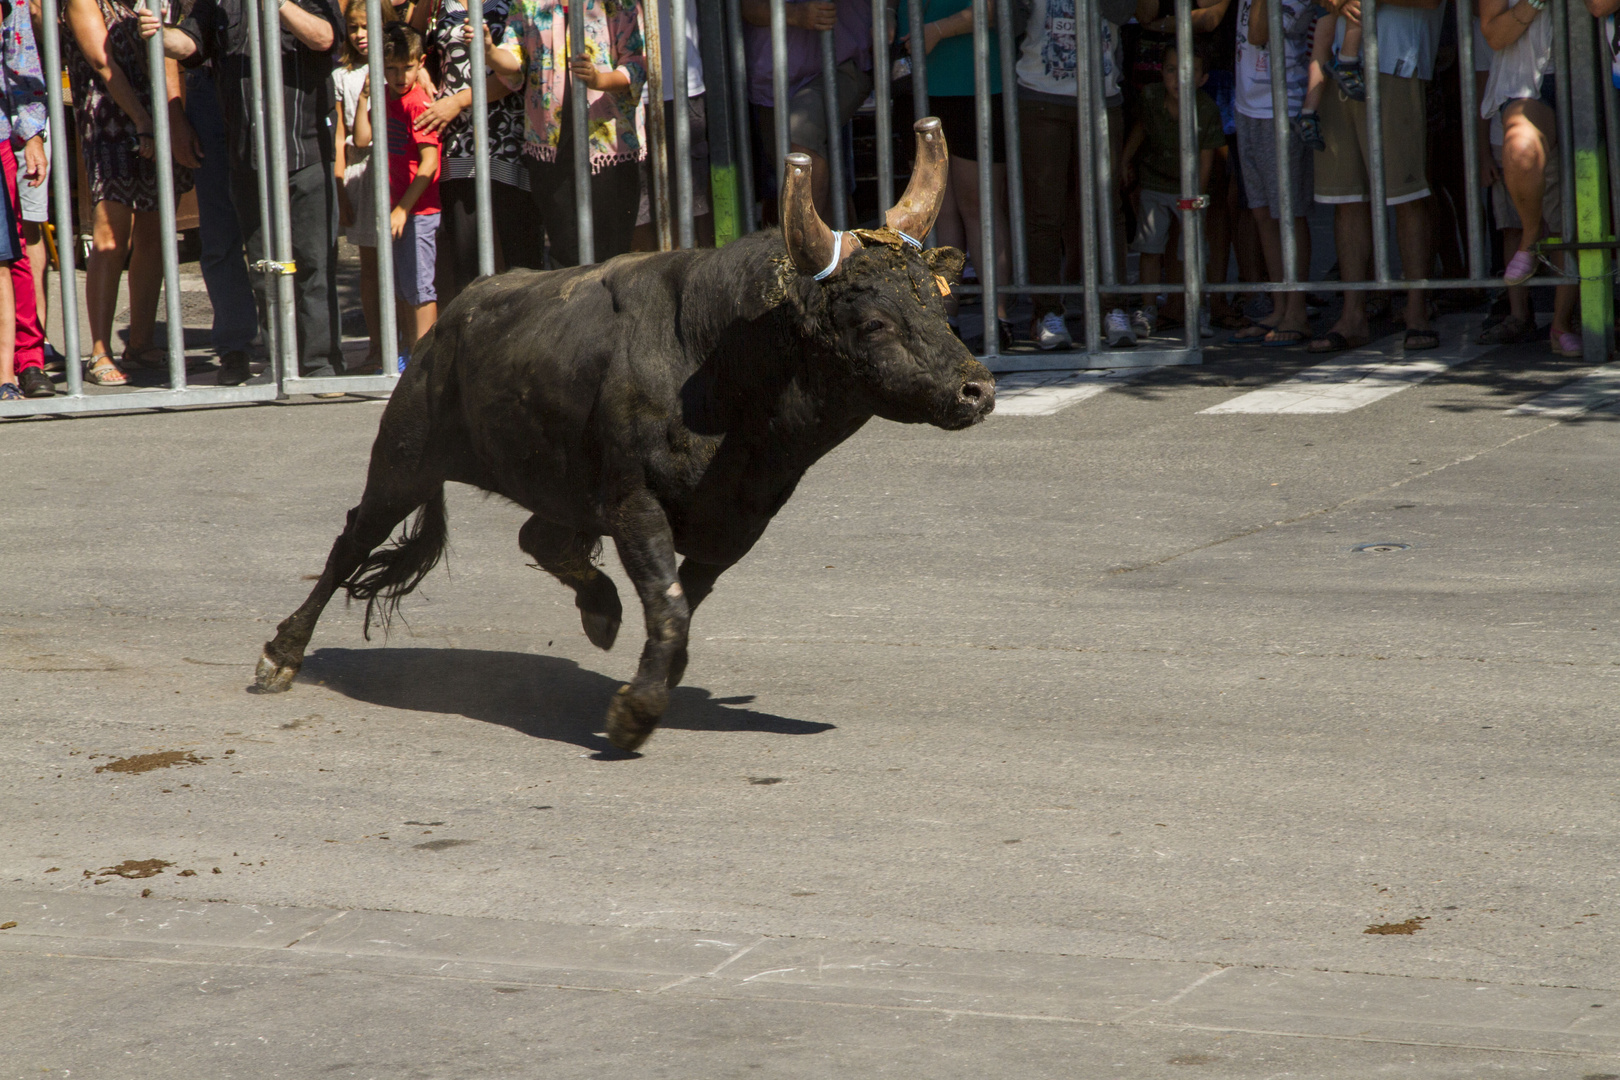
(1118, 330)
(1144, 319)
(1050, 332)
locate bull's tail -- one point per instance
(392, 571)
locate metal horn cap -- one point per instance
(914, 214)
(810, 242)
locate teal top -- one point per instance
(950, 65)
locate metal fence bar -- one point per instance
(476, 73)
(1559, 9)
(657, 137)
(779, 97)
(62, 198)
(1611, 127)
(382, 199)
(837, 182)
(582, 143)
(1479, 259)
(743, 115)
(884, 107)
(1376, 187)
(1014, 141)
(983, 129)
(261, 171)
(684, 229)
(919, 77)
(164, 160)
(280, 196)
(1084, 58)
(1192, 219)
(1103, 138)
(1283, 135)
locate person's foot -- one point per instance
(1050, 332)
(54, 360)
(1118, 330)
(1566, 344)
(234, 368)
(34, 383)
(103, 371)
(9, 391)
(1145, 320)
(1520, 269)
(1308, 126)
(1347, 73)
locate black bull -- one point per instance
(671, 401)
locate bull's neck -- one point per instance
(757, 379)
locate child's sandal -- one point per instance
(1308, 126)
(1347, 73)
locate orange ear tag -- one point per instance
(944, 286)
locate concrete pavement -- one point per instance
(1079, 744)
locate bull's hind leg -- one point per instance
(566, 555)
(647, 549)
(383, 506)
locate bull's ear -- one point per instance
(946, 263)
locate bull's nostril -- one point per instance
(972, 391)
(976, 395)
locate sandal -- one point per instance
(1308, 127)
(1284, 339)
(150, 357)
(103, 370)
(1420, 339)
(1253, 334)
(1510, 331)
(1333, 342)
(1567, 345)
(1347, 73)
(10, 391)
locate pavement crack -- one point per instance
(1319, 511)
(717, 969)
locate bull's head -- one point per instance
(876, 300)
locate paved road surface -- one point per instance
(1082, 744)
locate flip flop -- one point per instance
(1333, 342)
(1284, 339)
(1420, 339)
(1253, 334)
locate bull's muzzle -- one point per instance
(976, 396)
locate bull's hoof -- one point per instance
(272, 677)
(603, 630)
(630, 720)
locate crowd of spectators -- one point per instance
(531, 76)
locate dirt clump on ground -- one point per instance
(1410, 926)
(135, 868)
(140, 763)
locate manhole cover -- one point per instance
(1379, 548)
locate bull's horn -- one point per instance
(814, 248)
(914, 214)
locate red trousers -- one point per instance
(30, 336)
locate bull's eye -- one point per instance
(873, 326)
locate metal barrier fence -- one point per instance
(1589, 137)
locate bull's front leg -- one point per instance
(647, 550)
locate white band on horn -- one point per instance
(837, 254)
(913, 241)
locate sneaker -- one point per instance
(34, 383)
(9, 391)
(1308, 126)
(1051, 332)
(1144, 320)
(1118, 330)
(234, 369)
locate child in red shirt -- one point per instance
(413, 179)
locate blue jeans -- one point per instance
(224, 269)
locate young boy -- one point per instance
(413, 181)
(1157, 137)
(1345, 69)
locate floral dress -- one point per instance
(107, 137)
(537, 34)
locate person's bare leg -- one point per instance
(1150, 268)
(1270, 234)
(145, 279)
(109, 240)
(424, 317)
(1295, 317)
(965, 183)
(1564, 301)
(1352, 233)
(1518, 295)
(1525, 139)
(1413, 230)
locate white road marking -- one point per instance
(1360, 377)
(1599, 388)
(1044, 393)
